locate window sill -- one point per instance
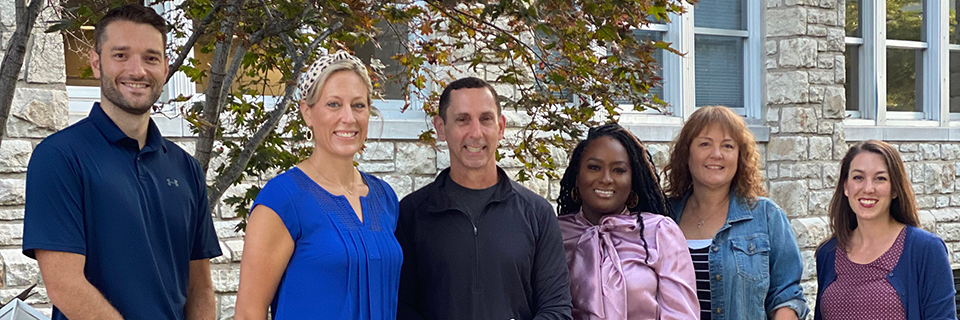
(902, 133)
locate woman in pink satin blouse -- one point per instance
(627, 258)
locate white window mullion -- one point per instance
(873, 71)
(936, 63)
(684, 90)
(754, 64)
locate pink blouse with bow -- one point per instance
(609, 278)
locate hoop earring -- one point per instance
(309, 134)
(575, 195)
(633, 200)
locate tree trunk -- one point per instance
(210, 116)
(13, 60)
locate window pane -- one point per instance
(852, 69)
(853, 18)
(903, 83)
(954, 36)
(721, 14)
(954, 81)
(647, 35)
(719, 70)
(390, 45)
(905, 19)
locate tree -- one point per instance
(571, 61)
(13, 59)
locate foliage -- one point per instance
(570, 62)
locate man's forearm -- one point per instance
(201, 305)
(80, 300)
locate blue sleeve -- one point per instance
(392, 205)
(937, 294)
(786, 265)
(824, 265)
(53, 215)
(206, 245)
(275, 196)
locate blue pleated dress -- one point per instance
(341, 268)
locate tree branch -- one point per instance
(210, 118)
(232, 174)
(13, 59)
(175, 66)
(536, 56)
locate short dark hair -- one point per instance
(464, 83)
(136, 13)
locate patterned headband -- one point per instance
(310, 77)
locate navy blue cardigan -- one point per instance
(922, 277)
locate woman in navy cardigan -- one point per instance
(887, 267)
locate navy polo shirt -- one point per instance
(139, 216)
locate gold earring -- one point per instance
(575, 195)
(633, 200)
(309, 134)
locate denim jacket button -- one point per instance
(719, 310)
(715, 248)
(890, 274)
(751, 247)
(718, 277)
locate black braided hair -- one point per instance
(645, 181)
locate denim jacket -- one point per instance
(755, 264)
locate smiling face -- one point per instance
(131, 66)
(713, 158)
(604, 179)
(340, 116)
(472, 130)
(868, 187)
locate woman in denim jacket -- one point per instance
(744, 251)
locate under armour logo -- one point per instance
(173, 183)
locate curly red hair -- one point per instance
(747, 182)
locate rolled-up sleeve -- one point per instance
(786, 265)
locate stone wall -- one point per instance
(805, 109)
(39, 108)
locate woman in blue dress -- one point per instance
(319, 243)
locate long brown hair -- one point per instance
(747, 182)
(903, 206)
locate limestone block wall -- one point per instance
(39, 109)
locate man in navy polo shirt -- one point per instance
(116, 215)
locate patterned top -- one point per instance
(862, 291)
(700, 252)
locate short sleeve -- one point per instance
(53, 215)
(205, 243)
(276, 195)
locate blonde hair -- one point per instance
(313, 93)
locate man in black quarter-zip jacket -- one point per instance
(477, 245)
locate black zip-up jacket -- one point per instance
(510, 264)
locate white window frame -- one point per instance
(679, 74)
(872, 48)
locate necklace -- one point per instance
(350, 192)
(702, 219)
